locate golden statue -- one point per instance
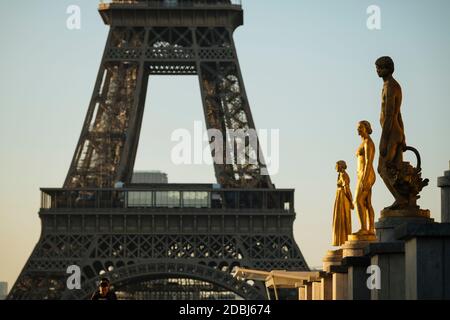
(342, 219)
(402, 179)
(366, 180)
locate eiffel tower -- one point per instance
(162, 241)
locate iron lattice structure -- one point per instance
(146, 235)
(166, 38)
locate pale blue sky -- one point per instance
(308, 67)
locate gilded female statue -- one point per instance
(342, 219)
(366, 180)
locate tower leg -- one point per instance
(108, 143)
(239, 163)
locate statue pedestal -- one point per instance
(389, 253)
(333, 258)
(405, 213)
(390, 258)
(339, 281)
(391, 219)
(357, 276)
(356, 244)
(357, 263)
(444, 184)
(334, 285)
(427, 263)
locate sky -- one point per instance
(308, 67)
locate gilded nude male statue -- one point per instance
(403, 180)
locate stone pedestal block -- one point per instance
(390, 220)
(327, 287)
(390, 258)
(357, 277)
(340, 282)
(333, 258)
(444, 184)
(427, 261)
(356, 244)
(302, 293)
(309, 290)
(317, 290)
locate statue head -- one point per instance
(385, 66)
(341, 166)
(364, 128)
